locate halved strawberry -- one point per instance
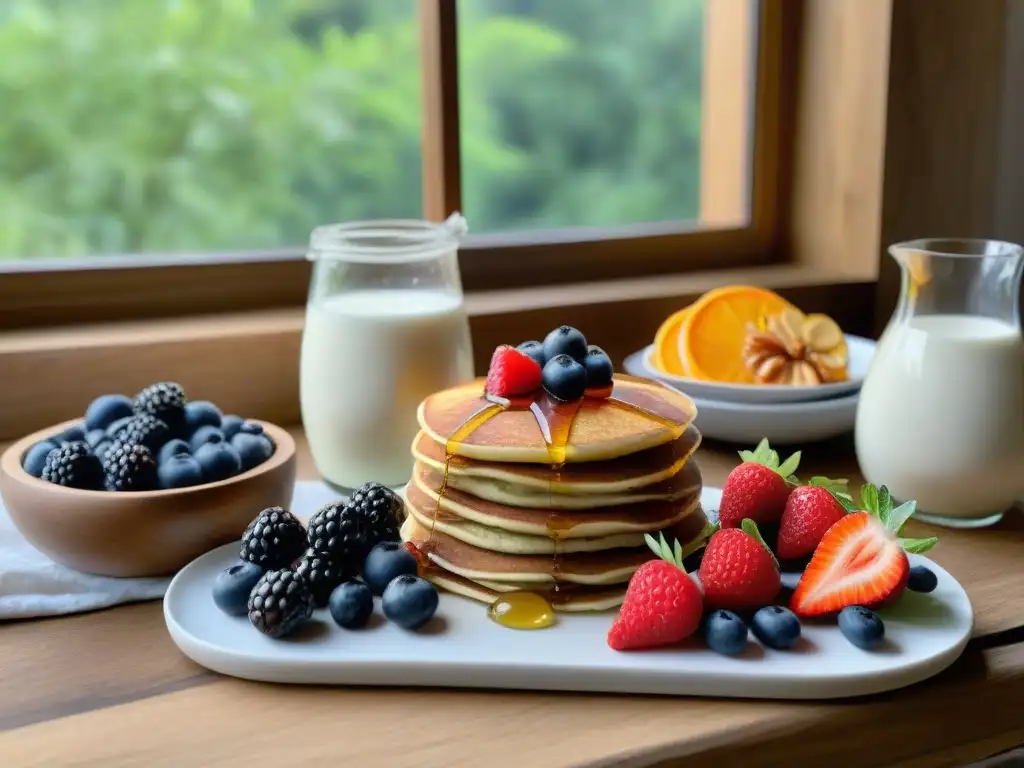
(858, 562)
(512, 373)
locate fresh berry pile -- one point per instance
(157, 440)
(348, 553)
(564, 365)
(854, 557)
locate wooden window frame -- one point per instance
(742, 180)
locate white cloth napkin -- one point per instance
(32, 585)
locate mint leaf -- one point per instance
(790, 465)
(749, 527)
(898, 517)
(918, 546)
(869, 499)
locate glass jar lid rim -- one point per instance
(960, 247)
(387, 240)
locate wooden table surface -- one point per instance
(110, 688)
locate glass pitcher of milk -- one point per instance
(385, 327)
(941, 412)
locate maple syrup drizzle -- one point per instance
(524, 609)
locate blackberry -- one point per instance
(128, 467)
(382, 509)
(144, 429)
(166, 401)
(73, 466)
(279, 603)
(347, 532)
(275, 539)
(321, 574)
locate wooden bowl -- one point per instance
(145, 533)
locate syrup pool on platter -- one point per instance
(523, 418)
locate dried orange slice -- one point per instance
(665, 356)
(713, 332)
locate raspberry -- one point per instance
(512, 373)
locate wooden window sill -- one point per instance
(248, 361)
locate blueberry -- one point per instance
(73, 434)
(35, 457)
(565, 340)
(252, 449)
(229, 425)
(171, 448)
(725, 632)
(251, 428)
(776, 627)
(94, 437)
(922, 579)
(117, 426)
(598, 366)
(861, 626)
(387, 561)
(232, 587)
(201, 413)
(564, 379)
(535, 350)
(205, 434)
(350, 605)
(218, 460)
(106, 409)
(180, 471)
(409, 601)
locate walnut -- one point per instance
(795, 349)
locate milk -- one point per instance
(369, 358)
(941, 415)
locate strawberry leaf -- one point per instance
(766, 457)
(837, 487)
(885, 505)
(677, 552)
(790, 465)
(869, 499)
(918, 546)
(749, 527)
(898, 517)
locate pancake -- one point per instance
(422, 494)
(686, 482)
(613, 566)
(640, 414)
(621, 475)
(581, 598)
(476, 534)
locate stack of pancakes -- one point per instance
(548, 497)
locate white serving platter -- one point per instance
(861, 351)
(461, 647)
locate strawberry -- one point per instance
(663, 605)
(810, 511)
(738, 571)
(858, 562)
(757, 488)
(512, 373)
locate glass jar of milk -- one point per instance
(941, 413)
(385, 327)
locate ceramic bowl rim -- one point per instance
(10, 464)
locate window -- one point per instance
(161, 154)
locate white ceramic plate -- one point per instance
(781, 423)
(861, 351)
(460, 647)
